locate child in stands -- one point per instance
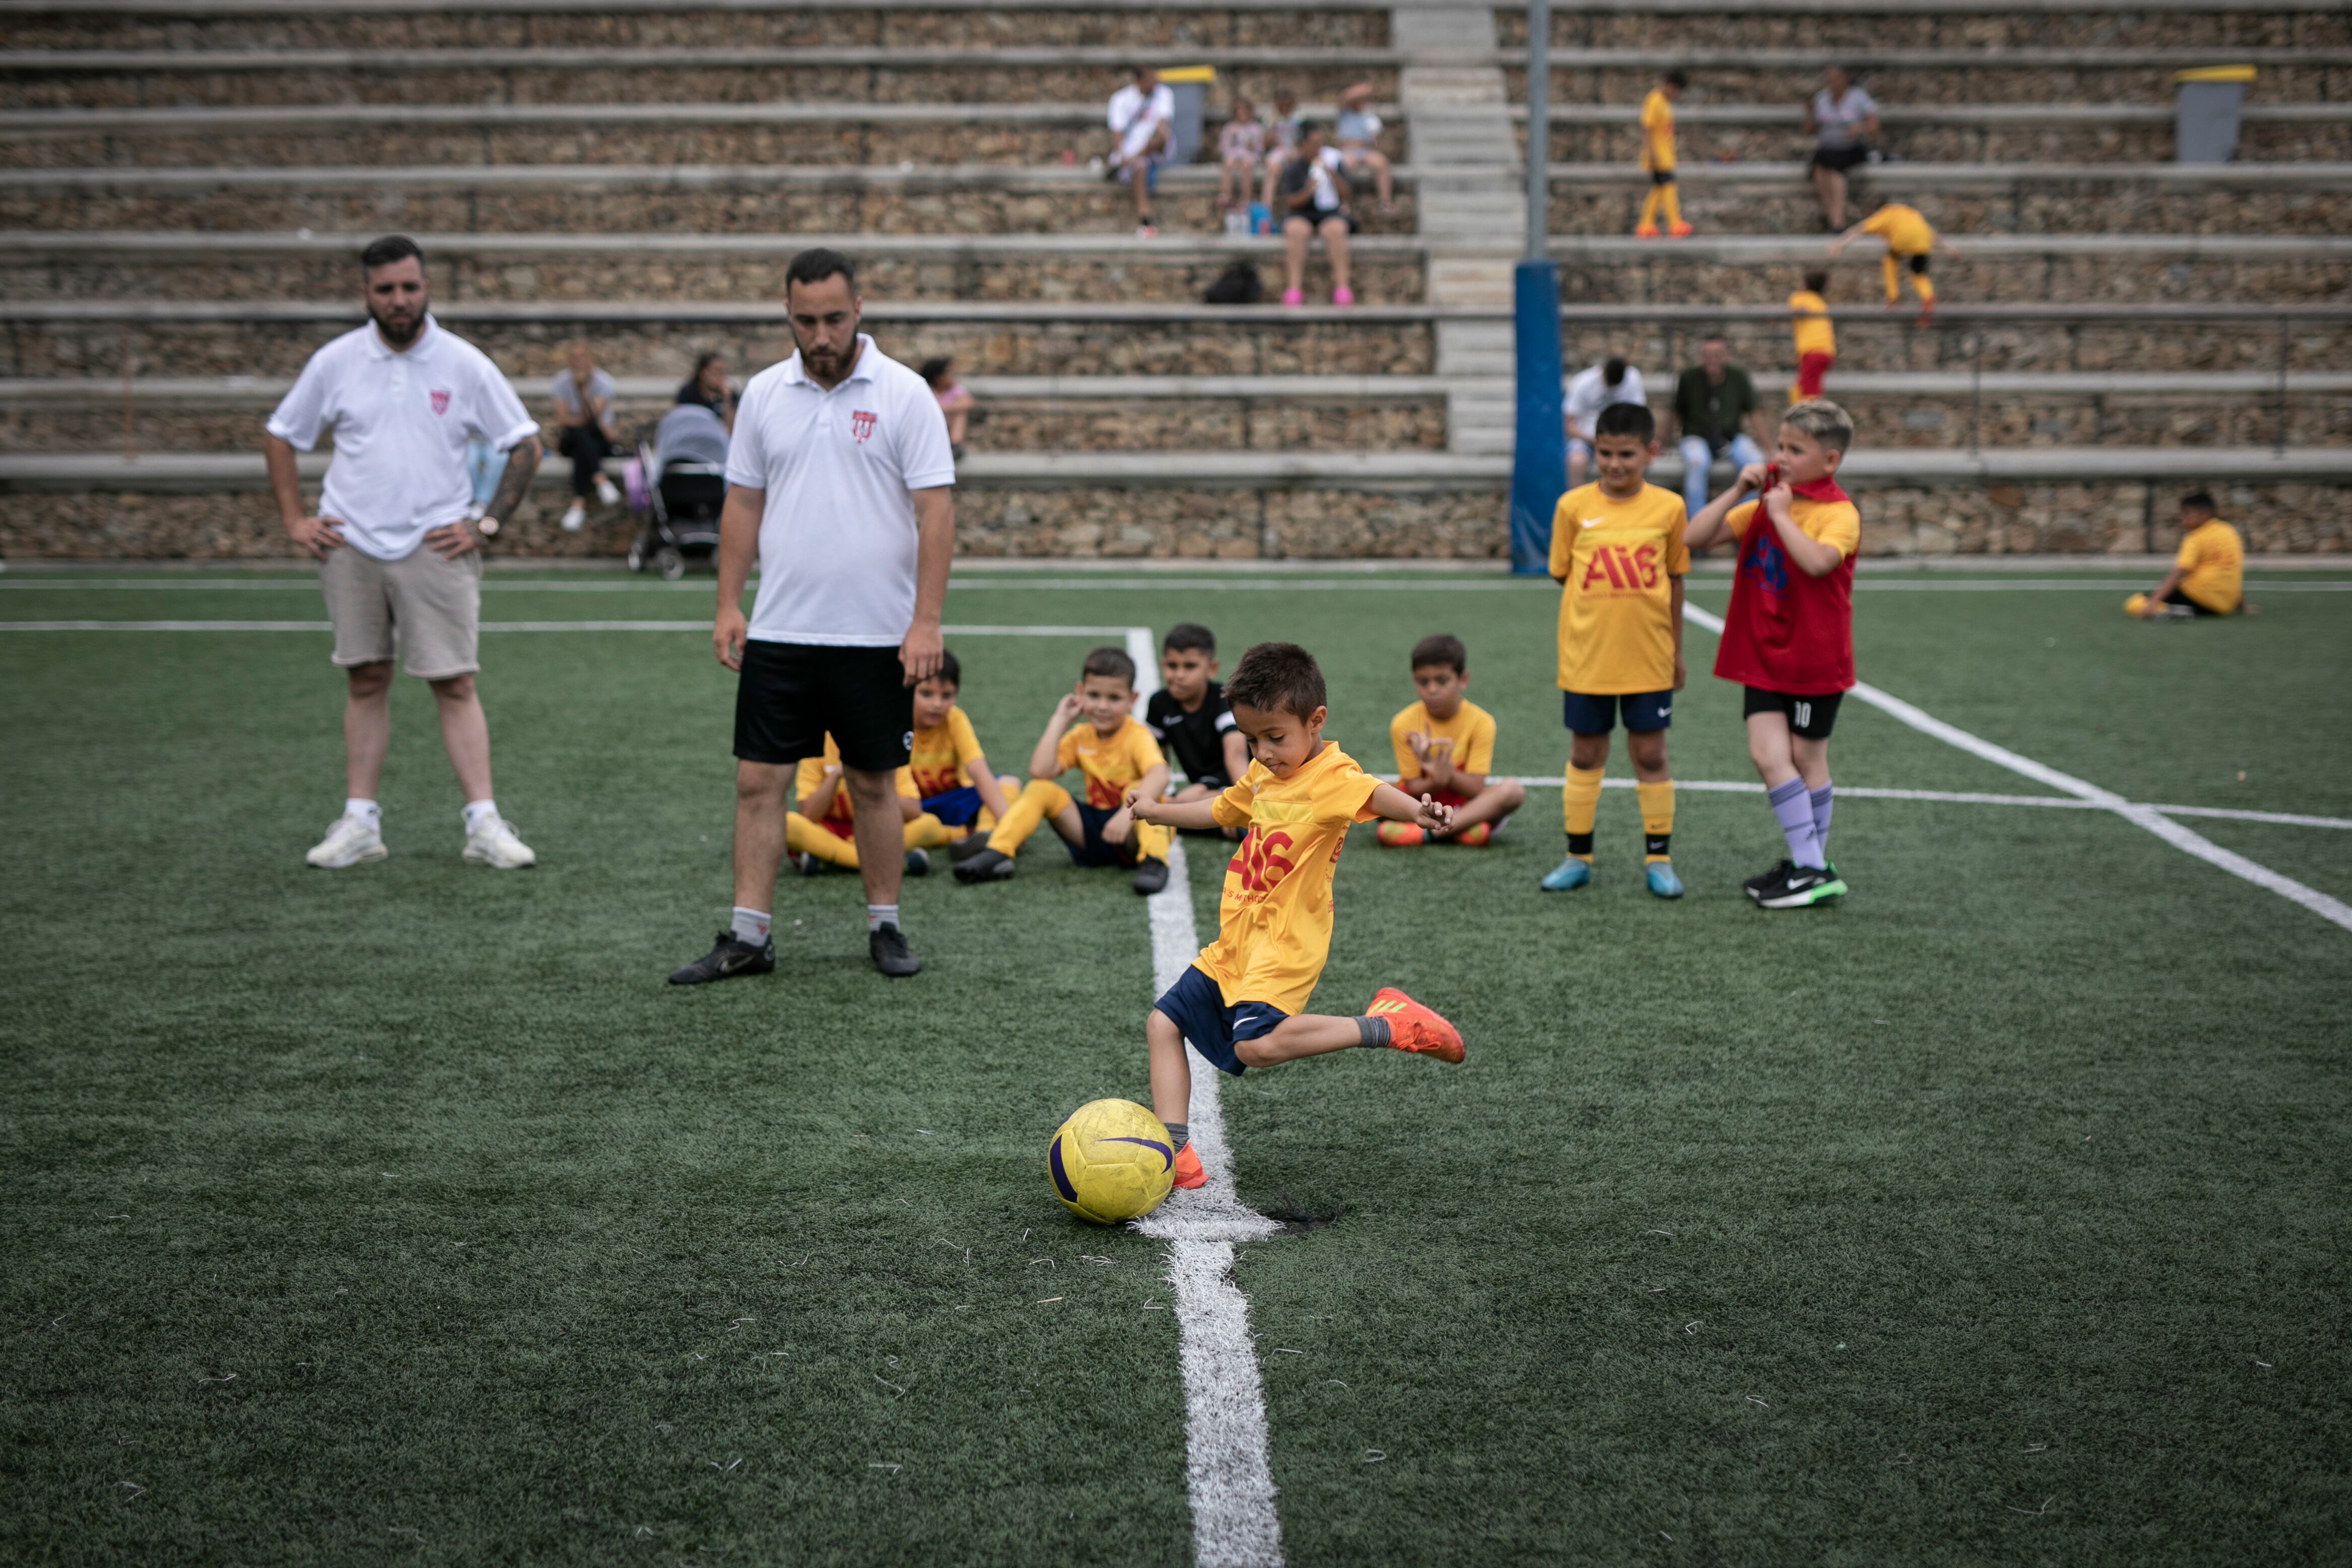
(1240, 1001)
(1658, 159)
(1788, 637)
(1445, 743)
(1117, 755)
(1618, 553)
(1910, 238)
(1816, 340)
(1241, 150)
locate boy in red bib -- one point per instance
(1788, 637)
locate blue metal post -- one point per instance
(1539, 451)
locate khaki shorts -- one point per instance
(429, 609)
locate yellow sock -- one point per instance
(1039, 799)
(1579, 801)
(1657, 803)
(928, 833)
(1672, 203)
(1650, 209)
(1924, 290)
(1893, 276)
(802, 836)
(1151, 839)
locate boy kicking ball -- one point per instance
(1788, 635)
(1239, 1003)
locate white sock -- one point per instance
(480, 814)
(877, 915)
(750, 925)
(367, 811)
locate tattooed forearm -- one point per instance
(522, 462)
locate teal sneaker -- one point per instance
(1660, 874)
(1571, 873)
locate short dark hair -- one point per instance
(1307, 127)
(1110, 663)
(389, 249)
(1632, 419)
(1442, 648)
(1613, 371)
(934, 368)
(951, 669)
(1189, 635)
(816, 263)
(1817, 280)
(2203, 500)
(1278, 677)
(1677, 78)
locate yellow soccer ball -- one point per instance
(1112, 1161)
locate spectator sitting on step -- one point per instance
(954, 398)
(1588, 392)
(585, 429)
(1142, 119)
(1844, 120)
(710, 388)
(1310, 198)
(1281, 140)
(1715, 411)
(1240, 148)
(1356, 130)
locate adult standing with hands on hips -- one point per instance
(395, 552)
(837, 481)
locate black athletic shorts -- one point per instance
(1918, 264)
(1811, 717)
(790, 695)
(1661, 176)
(1838, 160)
(2178, 596)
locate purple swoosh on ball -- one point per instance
(1167, 1155)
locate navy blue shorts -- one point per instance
(1096, 850)
(1585, 713)
(955, 808)
(1198, 1008)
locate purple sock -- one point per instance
(1795, 814)
(1822, 804)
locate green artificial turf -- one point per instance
(1997, 1215)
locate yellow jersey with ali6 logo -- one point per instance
(1112, 763)
(1614, 560)
(940, 756)
(1274, 925)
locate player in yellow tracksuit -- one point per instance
(1910, 238)
(1658, 158)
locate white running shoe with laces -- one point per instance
(494, 844)
(574, 516)
(607, 493)
(349, 842)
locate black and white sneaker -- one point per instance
(1754, 885)
(964, 847)
(888, 946)
(988, 866)
(731, 957)
(1150, 874)
(1800, 887)
(919, 863)
(806, 864)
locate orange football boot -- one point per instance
(1475, 835)
(1399, 835)
(1414, 1028)
(1645, 231)
(1680, 230)
(1189, 1173)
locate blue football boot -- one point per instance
(1571, 873)
(1664, 883)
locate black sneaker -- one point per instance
(888, 946)
(1150, 874)
(731, 957)
(964, 847)
(918, 863)
(988, 866)
(806, 864)
(1800, 887)
(1754, 885)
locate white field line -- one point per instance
(1965, 797)
(2330, 909)
(1227, 1472)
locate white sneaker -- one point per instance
(348, 841)
(607, 493)
(575, 516)
(494, 844)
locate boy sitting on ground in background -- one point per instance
(820, 830)
(1445, 743)
(1788, 635)
(1189, 715)
(1117, 755)
(950, 770)
(1239, 1002)
(2207, 575)
(1617, 552)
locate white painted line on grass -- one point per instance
(1964, 798)
(2330, 909)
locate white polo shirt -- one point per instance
(838, 533)
(400, 423)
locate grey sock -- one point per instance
(1372, 1033)
(750, 925)
(877, 915)
(1178, 1135)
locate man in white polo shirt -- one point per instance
(838, 478)
(401, 398)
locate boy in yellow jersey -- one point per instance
(1239, 1002)
(2209, 573)
(1909, 239)
(1658, 158)
(1444, 744)
(1617, 553)
(1117, 755)
(1816, 340)
(822, 832)
(950, 770)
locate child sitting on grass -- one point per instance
(950, 770)
(1117, 755)
(1788, 635)
(1239, 1002)
(821, 830)
(2209, 571)
(1445, 743)
(1190, 716)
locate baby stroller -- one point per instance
(682, 483)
